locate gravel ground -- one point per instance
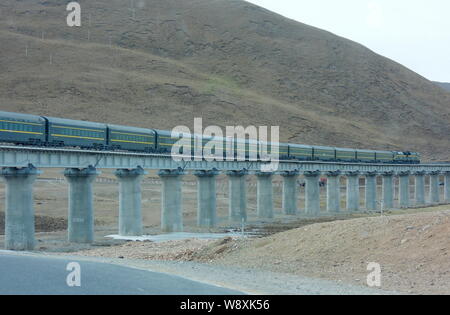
(412, 250)
(247, 280)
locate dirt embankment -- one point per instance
(42, 224)
(413, 251)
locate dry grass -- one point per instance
(226, 61)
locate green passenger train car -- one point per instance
(300, 152)
(22, 129)
(132, 139)
(324, 153)
(75, 133)
(366, 156)
(384, 156)
(34, 130)
(347, 155)
(165, 141)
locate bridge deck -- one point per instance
(18, 156)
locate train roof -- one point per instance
(169, 133)
(131, 129)
(384, 152)
(366, 151)
(23, 117)
(345, 149)
(303, 146)
(79, 123)
(323, 147)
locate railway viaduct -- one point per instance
(20, 167)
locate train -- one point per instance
(33, 130)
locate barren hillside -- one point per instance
(159, 63)
(444, 85)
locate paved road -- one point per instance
(23, 274)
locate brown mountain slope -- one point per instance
(444, 85)
(227, 61)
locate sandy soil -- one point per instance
(413, 251)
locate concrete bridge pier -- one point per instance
(434, 187)
(388, 190)
(81, 205)
(130, 200)
(264, 195)
(238, 195)
(447, 187)
(353, 195)
(312, 193)
(371, 191)
(206, 196)
(404, 190)
(171, 200)
(19, 210)
(290, 192)
(420, 188)
(334, 192)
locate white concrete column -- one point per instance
(290, 192)
(81, 204)
(265, 195)
(130, 201)
(353, 196)
(371, 191)
(171, 200)
(206, 197)
(19, 214)
(434, 187)
(420, 188)
(388, 191)
(238, 195)
(312, 193)
(447, 187)
(334, 192)
(404, 190)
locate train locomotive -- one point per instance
(32, 130)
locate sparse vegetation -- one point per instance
(228, 62)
